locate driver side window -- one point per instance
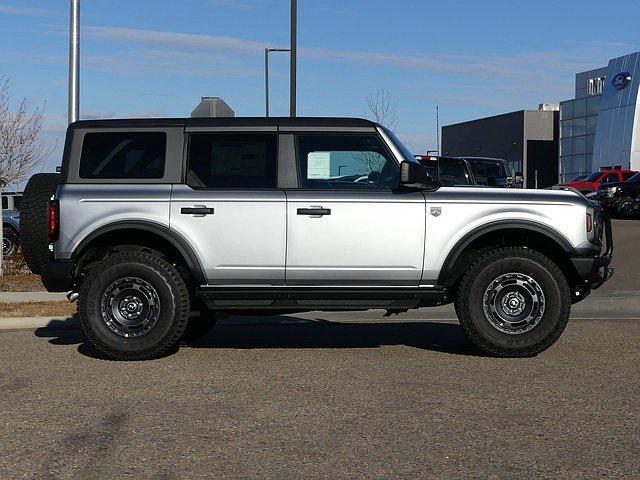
(345, 162)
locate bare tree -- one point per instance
(21, 150)
(382, 108)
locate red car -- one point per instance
(593, 182)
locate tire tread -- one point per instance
(163, 268)
(462, 302)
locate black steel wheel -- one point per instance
(513, 302)
(626, 208)
(134, 306)
(10, 242)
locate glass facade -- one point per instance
(578, 120)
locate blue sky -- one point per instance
(158, 57)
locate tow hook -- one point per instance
(73, 296)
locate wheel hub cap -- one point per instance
(130, 307)
(514, 303)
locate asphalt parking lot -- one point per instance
(334, 396)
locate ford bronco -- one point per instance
(149, 221)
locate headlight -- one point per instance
(594, 225)
(614, 190)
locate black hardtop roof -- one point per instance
(226, 122)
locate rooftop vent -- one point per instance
(212, 107)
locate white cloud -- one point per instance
(15, 10)
(526, 66)
(174, 39)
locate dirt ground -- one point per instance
(21, 283)
(37, 309)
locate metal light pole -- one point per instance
(294, 57)
(74, 62)
(267, 51)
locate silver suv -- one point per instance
(151, 220)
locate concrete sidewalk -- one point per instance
(24, 297)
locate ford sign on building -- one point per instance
(599, 127)
(617, 140)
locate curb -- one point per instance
(34, 323)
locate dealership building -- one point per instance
(599, 127)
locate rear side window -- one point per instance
(5, 203)
(234, 161)
(123, 155)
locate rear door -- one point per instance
(348, 225)
(231, 209)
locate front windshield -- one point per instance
(635, 178)
(404, 151)
(593, 177)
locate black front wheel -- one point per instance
(10, 242)
(626, 208)
(134, 306)
(513, 302)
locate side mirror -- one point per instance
(414, 175)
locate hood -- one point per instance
(506, 195)
(607, 186)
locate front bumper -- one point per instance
(596, 270)
(57, 276)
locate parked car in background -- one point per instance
(10, 223)
(621, 198)
(596, 180)
(452, 172)
(457, 171)
(490, 172)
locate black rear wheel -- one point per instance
(134, 306)
(513, 302)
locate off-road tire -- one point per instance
(485, 270)
(11, 239)
(625, 208)
(173, 299)
(33, 219)
(199, 327)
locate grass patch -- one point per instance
(15, 265)
(21, 283)
(37, 309)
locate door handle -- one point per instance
(200, 211)
(314, 212)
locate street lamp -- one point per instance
(74, 61)
(294, 59)
(267, 51)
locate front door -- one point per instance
(230, 210)
(348, 225)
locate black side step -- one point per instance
(311, 298)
